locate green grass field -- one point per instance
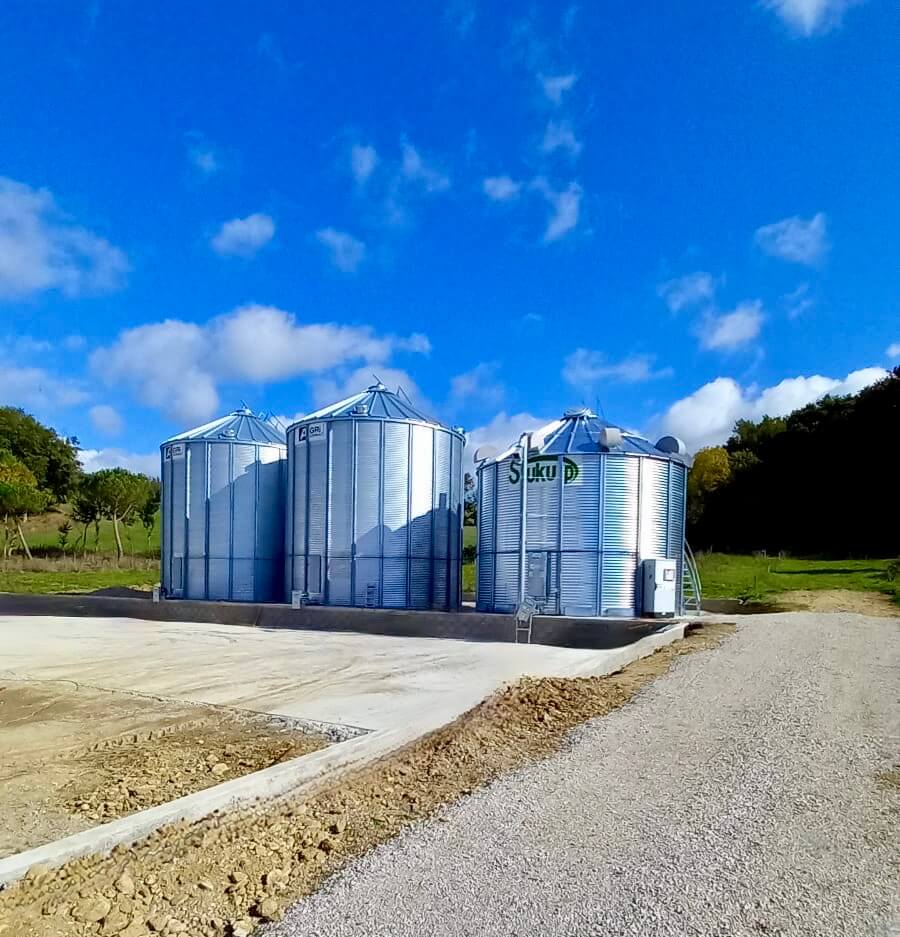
(755, 578)
(43, 535)
(47, 581)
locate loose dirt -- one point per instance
(227, 874)
(74, 756)
(838, 600)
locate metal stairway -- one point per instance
(691, 589)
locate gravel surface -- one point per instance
(744, 793)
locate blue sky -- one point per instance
(679, 217)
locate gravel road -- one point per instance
(741, 794)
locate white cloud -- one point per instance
(566, 207)
(36, 389)
(502, 431)
(893, 351)
(417, 171)
(795, 239)
(811, 16)
(106, 419)
(731, 329)
(693, 289)
(346, 251)
(707, 416)
(243, 237)
(585, 368)
(798, 301)
(177, 366)
(501, 188)
(92, 460)
(480, 385)
(41, 249)
(555, 86)
(74, 342)
(559, 135)
(363, 160)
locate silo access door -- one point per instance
(538, 581)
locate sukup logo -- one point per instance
(545, 468)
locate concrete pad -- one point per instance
(371, 681)
(402, 688)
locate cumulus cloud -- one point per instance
(707, 416)
(92, 460)
(106, 419)
(502, 431)
(41, 249)
(559, 135)
(807, 17)
(346, 252)
(501, 188)
(893, 351)
(586, 368)
(243, 237)
(555, 86)
(363, 160)
(177, 366)
(730, 330)
(797, 302)
(481, 385)
(797, 240)
(565, 205)
(693, 289)
(417, 171)
(34, 388)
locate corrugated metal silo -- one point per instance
(599, 501)
(223, 511)
(374, 505)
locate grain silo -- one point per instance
(223, 511)
(374, 505)
(604, 510)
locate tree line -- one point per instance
(823, 481)
(39, 468)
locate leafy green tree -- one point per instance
(470, 506)
(51, 459)
(120, 497)
(148, 511)
(19, 497)
(86, 509)
(711, 470)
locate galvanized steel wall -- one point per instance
(374, 513)
(591, 521)
(222, 520)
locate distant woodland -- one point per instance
(824, 481)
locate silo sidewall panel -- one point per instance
(443, 516)
(219, 521)
(580, 536)
(196, 520)
(367, 522)
(421, 515)
(179, 527)
(340, 511)
(620, 533)
(300, 516)
(270, 521)
(509, 485)
(317, 510)
(396, 514)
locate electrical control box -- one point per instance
(660, 580)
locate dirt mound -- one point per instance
(75, 756)
(227, 874)
(838, 600)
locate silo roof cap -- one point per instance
(376, 402)
(580, 430)
(241, 426)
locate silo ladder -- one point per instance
(691, 589)
(524, 615)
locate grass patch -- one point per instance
(47, 576)
(752, 578)
(42, 533)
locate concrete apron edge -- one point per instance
(293, 777)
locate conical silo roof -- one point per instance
(240, 426)
(376, 402)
